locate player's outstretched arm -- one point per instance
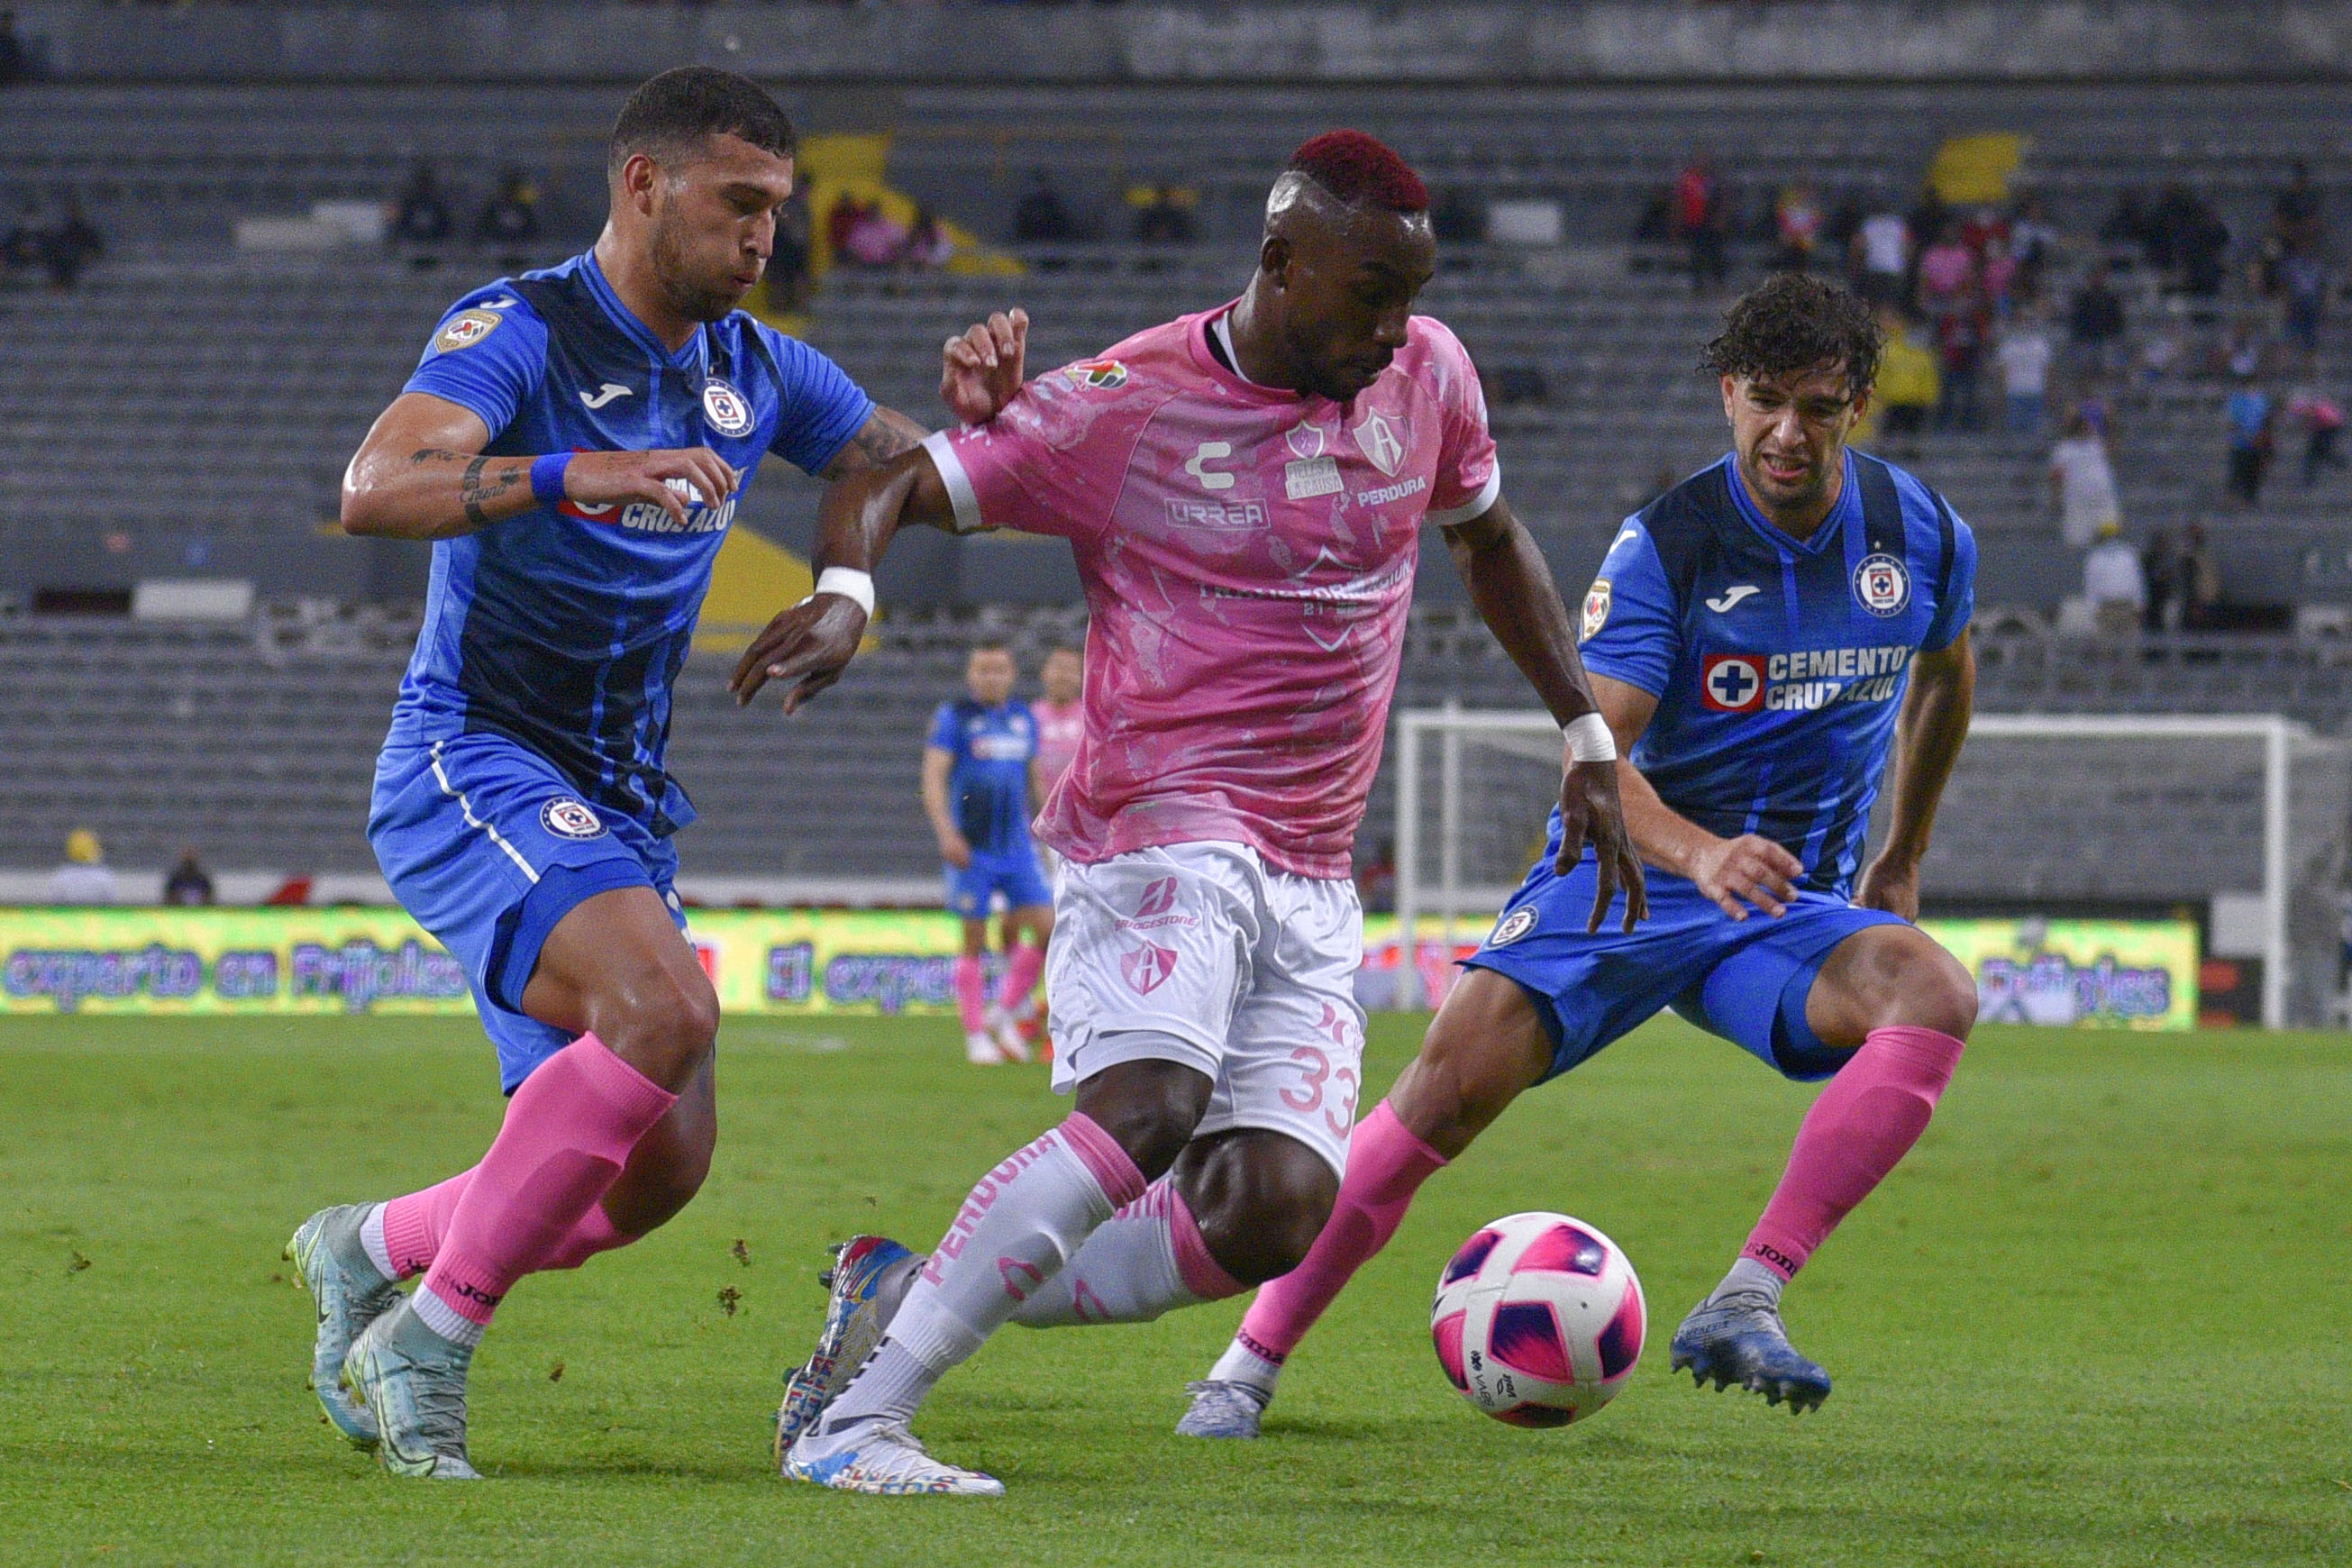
(1516, 597)
(420, 474)
(1929, 732)
(812, 642)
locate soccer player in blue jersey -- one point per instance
(1759, 638)
(574, 443)
(980, 785)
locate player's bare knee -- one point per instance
(1939, 993)
(1260, 1201)
(1148, 1108)
(663, 1022)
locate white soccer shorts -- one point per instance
(1248, 970)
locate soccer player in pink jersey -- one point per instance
(1244, 490)
(1061, 719)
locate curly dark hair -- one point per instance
(1793, 323)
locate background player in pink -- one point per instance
(1244, 490)
(1061, 717)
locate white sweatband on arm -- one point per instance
(850, 584)
(1588, 740)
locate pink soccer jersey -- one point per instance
(1060, 728)
(1248, 557)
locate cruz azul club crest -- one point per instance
(728, 410)
(1882, 585)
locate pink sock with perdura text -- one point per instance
(567, 1134)
(1862, 1124)
(1023, 966)
(971, 994)
(1386, 1165)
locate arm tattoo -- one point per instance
(418, 459)
(884, 435)
(474, 490)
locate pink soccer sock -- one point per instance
(1023, 966)
(1145, 1260)
(1865, 1121)
(567, 1134)
(1386, 1165)
(413, 1227)
(971, 994)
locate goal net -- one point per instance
(2240, 822)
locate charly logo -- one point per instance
(1147, 967)
(1102, 375)
(729, 412)
(1512, 927)
(567, 818)
(1882, 585)
(466, 329)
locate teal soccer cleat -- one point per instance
(331, 1264)
(414, 1382)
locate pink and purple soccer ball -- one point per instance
(1538, 1320)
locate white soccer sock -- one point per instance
(1751, 1278)
(372, 1237)
(1024, 1221)
(1242, 1364)
(1146, 1259)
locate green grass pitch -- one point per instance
(2101, 1315)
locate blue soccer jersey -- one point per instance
(565, 628)
(988, 788)
(1779, 666)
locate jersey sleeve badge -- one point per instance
(466, 329)
(1102, 375)
(1596, 609)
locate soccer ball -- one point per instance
(1538, 1320)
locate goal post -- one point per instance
(2077, 809)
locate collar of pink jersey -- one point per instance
(1196, 342)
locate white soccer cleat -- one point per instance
(882, 1458)
(980, 1049)
(1006, 1031)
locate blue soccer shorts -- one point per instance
(1745, 981)
(1015, 873)
(489, 846)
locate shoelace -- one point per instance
(1228, 1391)
(439, 1400)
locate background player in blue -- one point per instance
(981, 785)
(574, 442)
(1757, 639)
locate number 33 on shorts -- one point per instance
(1320, 1083)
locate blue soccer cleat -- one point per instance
(1737, 1338)
(869, 1277)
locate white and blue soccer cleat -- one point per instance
(869, 1277)
(1223, 1409)
(884, 1459)
(414, 1383)
(1736, 1337)
(331, 1263)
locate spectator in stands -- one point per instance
(874, 239)
(2200, 580)
(2302, 280)
(2191, 240)
(2032, 245)
(1797, 221)
(2095, 323)
(2253, 422)
(421, 214)
(85, 878)
(1459, 219)
(2112, 582)
(15, 60)
(2126, 225)
(2160, 570)
(1961, 328)
(2297, 224)
(789, 279)
(839, 219)
(2025, 354)
(2323, 422)
(2084, 482)
(1376, 880)
(1164, 215)
(927, 244)
(1909, 381)
(69, 245)
(509, 220)
(1882, 256)
(189, 882)
(1039, 217)
(1702, 220)
(1948, 273)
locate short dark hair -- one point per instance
(670, 117)
(1793, 322)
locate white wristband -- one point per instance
(850, 584)
(1588, 740)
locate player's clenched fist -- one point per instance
(673, 480)
(1737, 872)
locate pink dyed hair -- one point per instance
(1356, 166)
